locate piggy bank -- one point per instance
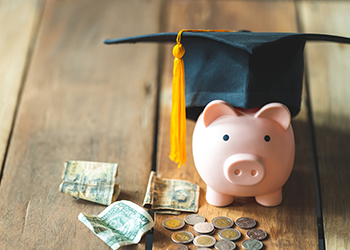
(244, 152)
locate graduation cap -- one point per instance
(245, 69)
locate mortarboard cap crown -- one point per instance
(245, 69)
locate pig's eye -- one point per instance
(267, 138)
(225, 137)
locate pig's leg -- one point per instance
(218, 199)
(270, 200)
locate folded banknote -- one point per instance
(121, 223)
(92, 181)
(170, 196)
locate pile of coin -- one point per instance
(204, 229)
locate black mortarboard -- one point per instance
(245, 69)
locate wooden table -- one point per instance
(64, 95)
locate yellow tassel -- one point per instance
(178, 109)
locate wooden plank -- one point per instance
(292, 225)
(329, 79)
(19, 20)
(82, 100)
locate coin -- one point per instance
(245, 222)
(204, 241)
(203, 248)
(257, 234)
(173, 223)
(182, 237)
(225, 245)
(193, 219)
(210, 233)
(203, 228)
(222, 222)
(229, 234)
(252, 244)
(177, 247)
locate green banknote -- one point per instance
(170, 196)
(121, 223)
(92, 181)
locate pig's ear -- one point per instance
(277, 112)
(216, 109)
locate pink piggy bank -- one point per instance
(240, 152)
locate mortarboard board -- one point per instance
(245, 69)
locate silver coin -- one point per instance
(225, 245)
(222, 222)
(204, 241)
(177, 247)
(252, 244)
(203, 228)
(245, 222)
(257, 234)
(229, 234)
(182, 237)
(207, 233)
(193, 219)
(173, 223)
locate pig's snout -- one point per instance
(244, 169)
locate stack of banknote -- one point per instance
(92, 181)
(123, 222)
(170, 196)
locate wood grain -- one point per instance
(82, 100)
(329, 78)
(19, 20)
(292, 225)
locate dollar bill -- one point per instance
(170, 196)
(92, 181)
(121, 223)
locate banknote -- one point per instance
(171, 196)
(121, 223)
(92, 181)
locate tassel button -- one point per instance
(178, 51)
